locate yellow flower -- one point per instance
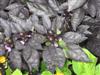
(59, 73)
(2, 59)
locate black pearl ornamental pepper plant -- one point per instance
(48, 31)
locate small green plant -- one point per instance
(83, 68)
(17, 72)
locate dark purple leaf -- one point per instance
(63, 6)
(3, 14)
(84, 29)
(74, 4)
(46, 21)
(53, 57)
(77, 17)
(53, 4)
(73, 37)
(39, 38)
(32, 58)
(92, 8)
(5, 25)
(3, 3)
(18, 10)
(34, 44)
(75, 52)
(15, 59)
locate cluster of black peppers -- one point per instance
(47, 30)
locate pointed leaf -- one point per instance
(53, 57)
(46, 21)
(18, 21)
(15, 59)
(17, 72)
(76, 53)
(73, 37)
(92, 8)
(8, 71)
(35, 9)
(53, 5)
(77, 17)
(38, 27)
(59, 22)
(89, 68)
(33, 60)
(84, 29)
(6, 26)
(27, 52)
(13, 6)
(74, 4)
(97, 5)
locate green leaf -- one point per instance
(43, 67)
(97, 71)
(8, 71)
(17, 72)
(46, 73)
(58, 70)
(65, 68)
(90, 55)
(85, 68)
(62, 44)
